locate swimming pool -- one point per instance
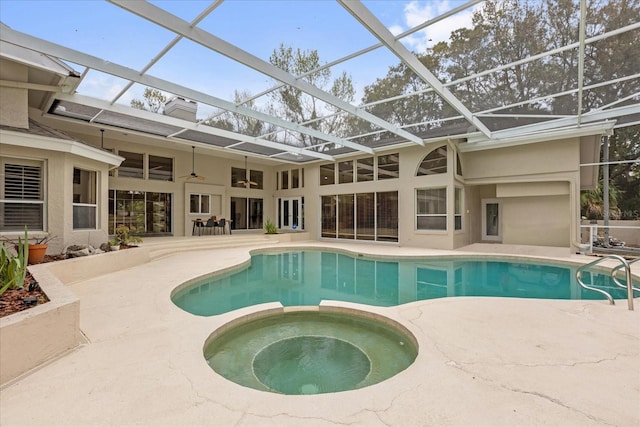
(306, 277)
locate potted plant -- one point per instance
(123, 238)
(36, 244)
(114, 244)
(38, 249)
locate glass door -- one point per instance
(291, 213)
(491, 225)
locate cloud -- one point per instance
(416, 12)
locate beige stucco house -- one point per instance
(78, 180)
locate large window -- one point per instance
(431, 206)
(329, 214)
(345, 172)
(85, 207)
(142, 212)
(239, 178)
(21, 195)
(160, 168)
(246, 213)
(365, 216)
(361, 216)
(365, 169)
(434, 163)
(387, 216)
(200, 204)
(389, 166)
(327, 174)
(132, 166)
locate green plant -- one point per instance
(270, 227)
(122, 237)
(13, 268)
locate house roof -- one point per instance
(408, 93)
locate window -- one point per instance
(431, 206)
(365, 216)
(364, 169)
(132, 166)
(295, 178)
(285, 180)
(160, 168)
(327, 174)
(345, 172)
(458, 165)
(256, 178)
(361, 216)
(389, 166)
(200, 204)
(85, 207)
(387, 216)
(329, 214)
(346, 216)
(458, 208)
(141, 212)
(246, 213)
(21, 195)
(434, 163)
(238, 177)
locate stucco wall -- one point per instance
(13, 108)
(58, 172)
(215, 169)
(546, 174)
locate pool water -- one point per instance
(308, 277)
(310, 352)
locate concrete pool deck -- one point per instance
(482, 361)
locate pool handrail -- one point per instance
(624, 263)
(615, 275)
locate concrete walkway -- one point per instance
(482, 362)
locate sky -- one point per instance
(257, 26)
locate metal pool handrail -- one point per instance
(624, 263)
(615, 277)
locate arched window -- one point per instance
(434, 163)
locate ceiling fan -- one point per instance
(193, 174)
(246, 182)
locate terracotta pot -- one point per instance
(37, 252)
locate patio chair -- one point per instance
(210, 225)
(221, 224)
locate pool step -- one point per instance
(160, 248)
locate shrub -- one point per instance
(13, 268)
(270, 227)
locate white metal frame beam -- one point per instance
(375, 27)
(57, 51)
(172, 23)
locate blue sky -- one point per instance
(257, 26)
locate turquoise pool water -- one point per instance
(310, 352)
(308, 277)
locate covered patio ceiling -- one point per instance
(383, 77)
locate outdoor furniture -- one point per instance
(210, 225)
(197, 224)
(221, 224)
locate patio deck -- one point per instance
(482, 361)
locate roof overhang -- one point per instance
(22, 139)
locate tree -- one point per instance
(294, 105)
(236, 122)
(153, 101)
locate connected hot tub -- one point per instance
(310, 351)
